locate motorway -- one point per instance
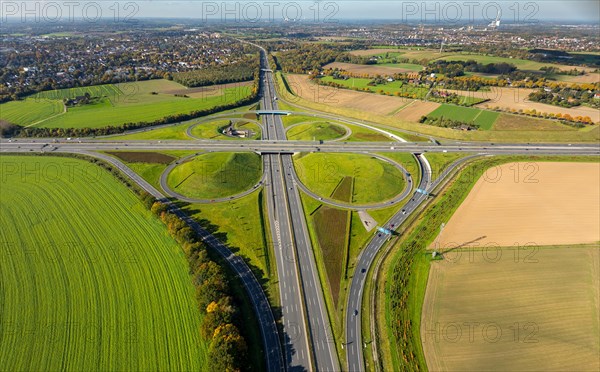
(313, 347)
(290, 147)
(307, 337)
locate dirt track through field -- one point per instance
(369, 102)
(542, 203)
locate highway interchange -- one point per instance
(305, 340)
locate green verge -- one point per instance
(588, 134)
(241, 225)
(404, 273)
(95, 282)
(314, 131)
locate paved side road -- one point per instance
(266, 320)
(354, 340)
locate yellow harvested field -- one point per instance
(513, 98)
(413, 111)
(544, 203)
(369, 102)
(523, 123)
(524, 311)
(370, 70)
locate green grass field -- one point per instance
(216, 175)
(30, 110)
(107, 90)
(89, 279)
(322, 172)
(241, 225)
(115, 104)
(485, 119)
(521, 64)
(290, 120)
(172, 132)
(315, 131)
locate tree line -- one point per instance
(243, 70)
(220, 313)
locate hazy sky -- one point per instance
(252, 11)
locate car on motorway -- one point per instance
(355, 312)
(404, 211)
(363, 270)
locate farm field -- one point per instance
(413, 111)
(375, 51)
(484, 119)
(522, 64)
(30, 110)
(77, 297)
(373, 112)
(416, 53)
(322, 173)
(539, 313)
(516, 99)
(378, 69)
(382, 105)
(116, 104)
(319, 130)
(519, 122)
(404, 274)
(396, 88)
(520, 203)
(589, 78)
(216, 175)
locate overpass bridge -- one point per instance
(272, 112)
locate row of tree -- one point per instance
(308, 57)
(458, 68)
(565, 97)
(443, 122)
(243, 70)
(220, 313)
